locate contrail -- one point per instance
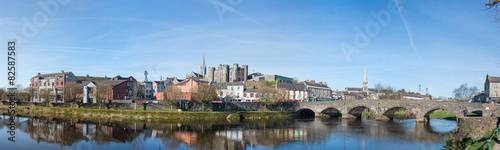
(410, 34)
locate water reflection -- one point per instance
(278, 134)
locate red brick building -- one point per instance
(53, 81)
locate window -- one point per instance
(52, 83)
(45, 84)
(496, 94)
(244, 94)
(62, 83)
(128, 83)
(238, 88)
(57, 83)
(495, 86)
(59, 77)
(251, 94)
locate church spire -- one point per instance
(365, 84)
(364, 78)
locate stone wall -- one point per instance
(384, 109)
(476, 126)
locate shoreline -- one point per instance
(143, 115)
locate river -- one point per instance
(305, 133)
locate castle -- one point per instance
(223, 73)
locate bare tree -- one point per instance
(72, 91)
(465, 92)
(46, 95)
(282, 96)
(172, 95)
(137, 91)
(3, 94)
(104, 93)
(267, 96)
(25, 94)
(379, 87)
(204, 94)
(492, 5)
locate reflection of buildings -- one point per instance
(48, 131)
(187, 137)
(201, 136)
(51, 131)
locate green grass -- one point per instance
(443, 114)
(367, 114)
(482, 142)
(473, 115)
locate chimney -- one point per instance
(312, 81)
(62, 71)
(39, 73)
(87, 75)
(320, 82)
(324, 83)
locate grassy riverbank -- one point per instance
(473, 144)
(142, 115)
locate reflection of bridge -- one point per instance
(385, 109)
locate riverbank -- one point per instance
(474, 144)
(141, 115)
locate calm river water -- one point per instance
(300, 134)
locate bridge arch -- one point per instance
(389, 113)
(357, 111)
(331, 112)
(304, 112)
(428, 112)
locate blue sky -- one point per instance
(438, 44)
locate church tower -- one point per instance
(203, 68)
(365, 84)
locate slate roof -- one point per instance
(251, 90)
(52, 74)
(110, 82)
(194, 79)
(316, 84)
(493, 79)
(292, 86)
(90, 78)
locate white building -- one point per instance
(232, 90)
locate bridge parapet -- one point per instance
(384, 109)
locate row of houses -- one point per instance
(237, 91)
(153, 90)
(57, 81)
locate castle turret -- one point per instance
(211, 74)
(245, 72)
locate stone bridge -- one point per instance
(385, 109)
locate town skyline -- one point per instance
(299, 40)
